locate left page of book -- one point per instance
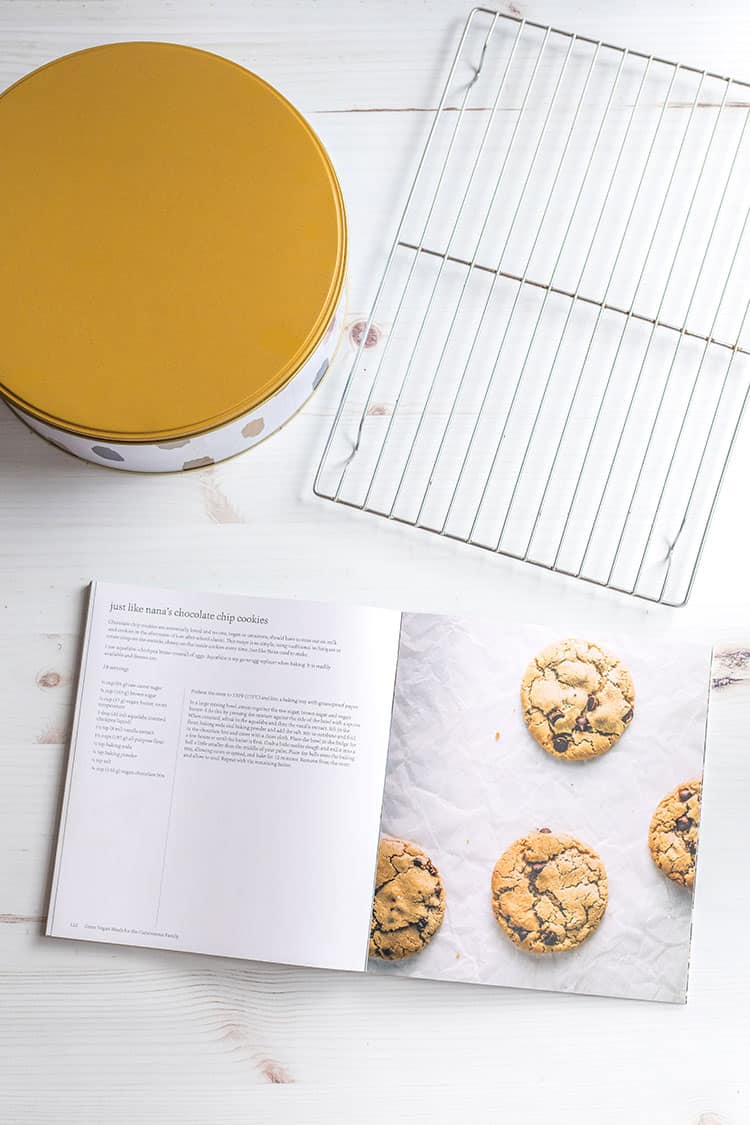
(225, 776)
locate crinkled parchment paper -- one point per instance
(464, 795)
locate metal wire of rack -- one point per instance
(564, 368)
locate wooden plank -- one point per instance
(365, 55)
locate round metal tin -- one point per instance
(174, 251)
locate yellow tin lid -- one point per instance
(173, 241)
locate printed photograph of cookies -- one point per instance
(673, 833)
(577, 699)
(409, 902)
(549, 892)
(509, 860)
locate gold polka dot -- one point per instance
(252, 429)
(198, 462)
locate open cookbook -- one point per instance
(388, 792)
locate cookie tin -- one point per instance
(174, 251)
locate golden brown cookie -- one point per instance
(549, 892)
(673, 835)
(409, 902)
(577, 699)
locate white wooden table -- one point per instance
(106, 1035)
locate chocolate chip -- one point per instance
(555, 715)
(627, 716)
(582, 723)
(522, 933)
(560, 743)
(591, 703)
(548, 830)
(536, 868)
(420, 923)
(684, 795)
(549, 939)
(683, 823)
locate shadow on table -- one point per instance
(59, 805)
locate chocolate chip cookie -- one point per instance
(549, 892)
(409, 903)
(577, 699)
(673, 835)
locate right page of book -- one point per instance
(542, 808)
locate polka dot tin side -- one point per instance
(200, 450)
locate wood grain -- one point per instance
(100, 1034)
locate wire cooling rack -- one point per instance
(564, 365)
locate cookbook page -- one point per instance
(222, 749)
(542, 805)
